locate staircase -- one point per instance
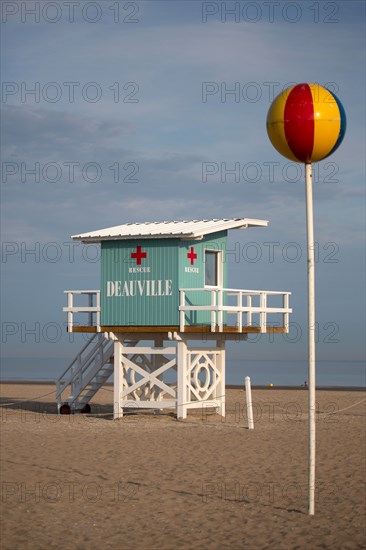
(86, 374)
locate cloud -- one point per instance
(36, 131)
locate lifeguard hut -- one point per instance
(162, 316)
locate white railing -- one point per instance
(92, 307)
(217, 308)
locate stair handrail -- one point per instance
(88, 374)
(78, 355)
(61, 382)
(80, 377)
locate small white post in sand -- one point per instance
(248, 391)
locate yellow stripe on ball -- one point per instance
(327, 122)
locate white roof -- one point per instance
(194, 229)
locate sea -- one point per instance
(262, 372)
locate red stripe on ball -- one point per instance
(299, 122)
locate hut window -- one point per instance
(211, 268)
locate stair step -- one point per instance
(100, 379)
(83, 401)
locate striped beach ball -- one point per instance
(306, 123)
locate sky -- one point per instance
(116, 112)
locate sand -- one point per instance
(148, 481)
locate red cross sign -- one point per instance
(138, 255)
(192, 255)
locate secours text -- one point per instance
(146, 287)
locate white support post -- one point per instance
(311, 342)
(239, 304)
(249, 314)
(182, 396)
(220, 312)
(182, 313)
(263, 313)
(69, 313)
(248, 393)
(221, 366)
(118, 379)
(213, 312)
(98, 311)
(286, 316)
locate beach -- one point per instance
(150, 481)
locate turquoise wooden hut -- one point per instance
(163, 282)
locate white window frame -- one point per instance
(219, 268)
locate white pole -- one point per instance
(118, 378)
(311, 343)
(248, 392)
